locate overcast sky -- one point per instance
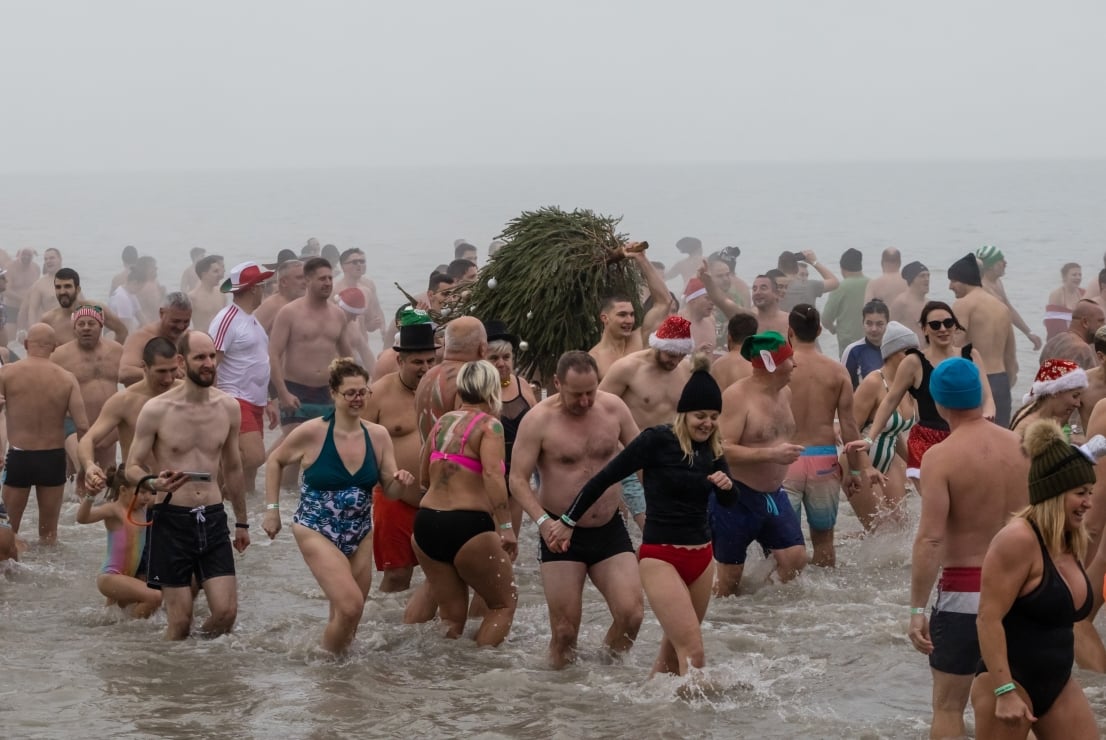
(156, 85)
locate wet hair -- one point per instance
(158, 347)
(195, 253)
(314, 264)
(478, 382)
(741, 325)
(437, 279)
(130, 255)
(577, 360)
(204, 264)
(68, 273)
(1068, 267)
(345, 255)
(770, 278)
(932, 306)
(876, 306)
(805, 322)
(177, 300)
(345, 367)
(457, 268)
(609, 301)
(116, 478)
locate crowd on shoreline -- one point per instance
(713, 420)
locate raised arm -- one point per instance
(115, 325)
(829, 280)
(658, 291)
(722, 301)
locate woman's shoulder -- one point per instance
(1015, 538)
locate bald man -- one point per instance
(465, 341)
(890, 284)
(1075, 344)
(38, 395)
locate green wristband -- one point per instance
(917, 610)
(1006, 688)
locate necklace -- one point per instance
(505, 383)
(404, 384)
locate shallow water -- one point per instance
(825, 656)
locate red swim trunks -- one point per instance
(253, 417)
(393, 523)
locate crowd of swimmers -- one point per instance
(713, 422)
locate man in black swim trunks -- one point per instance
(39, 395)
(568, 437)
(191, 435)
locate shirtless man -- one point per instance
(987, 327)
(1075, 342)
(94, 361)
(40, 298)
(650, 382)
(391, 403)
(242, 354)
(766, 300)
(67, 291)
(120, 412)
(353, 276)
(821, 389)
(569, 437)
(307, 334)
(757, 425)
(699, 312)
(38, 395)
(890, 283)
(732, 367)
(906, 307)
(188, 279)
(1096, 380)
(190, 434)
(173, 320)
(22, 274)
(993, 266)
(207, 298)
(128, 258)
(291, 284)
(686, 267)
(465, 341)
(960, 514)
(619, 337)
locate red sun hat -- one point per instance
(243, 276)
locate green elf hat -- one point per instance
(767, 350)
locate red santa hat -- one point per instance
(694, 289)
(673, 335)
(1056, 376)
(352, 300)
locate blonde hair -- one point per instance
(1050, 516)
(683, 436)
(478, 382)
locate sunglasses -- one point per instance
(357, 393)
(91, 307)
(947, 323)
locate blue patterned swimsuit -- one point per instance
(334, 502)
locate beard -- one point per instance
(65, 301)
(201, 381)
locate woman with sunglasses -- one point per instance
(939, 325)
(343, 457)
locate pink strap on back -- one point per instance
(465, 437)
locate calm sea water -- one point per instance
(825, 656)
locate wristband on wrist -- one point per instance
(568, 522)
(854, 472)
(1006, 688)
(543, 519)
(868, 440)
(506, 525)
(272, 507)
(242, 525)
(146, 479)
(917, 610)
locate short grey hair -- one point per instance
(178, 300)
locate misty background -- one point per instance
(143, 85)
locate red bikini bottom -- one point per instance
(688, 562)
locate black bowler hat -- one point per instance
(416, 338)
(498, 330)
(284, 255)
